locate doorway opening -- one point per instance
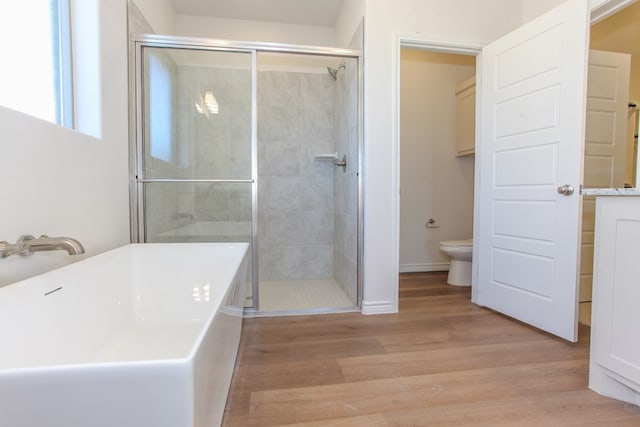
(611, 125)
(437, 141)
(450, 49)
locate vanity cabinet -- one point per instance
(615, 347)
(466, 117)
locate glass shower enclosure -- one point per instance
(237, 142)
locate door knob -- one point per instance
(565, 190)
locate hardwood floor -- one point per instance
(441, 361)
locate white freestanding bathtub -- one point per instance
(145, 335)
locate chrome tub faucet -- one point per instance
(27, 245)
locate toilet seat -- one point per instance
(457, 243)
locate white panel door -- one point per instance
(606, 125)
(531, 142)
(605, 148)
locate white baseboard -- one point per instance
(377, 307)
(422, 268)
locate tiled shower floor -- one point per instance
(302, 295)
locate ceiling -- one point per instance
(302, 12)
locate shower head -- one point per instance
(333, 72)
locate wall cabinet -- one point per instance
(466, 117)
(615, 348)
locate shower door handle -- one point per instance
(565, 190)
(341, 163)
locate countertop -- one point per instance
(611, 191)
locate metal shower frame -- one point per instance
(137, 180)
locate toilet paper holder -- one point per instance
(431, 223)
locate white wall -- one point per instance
(60, 182)
(349, 18)
(52, 196)
(160, 14)
(434, 182)
(464, 21)
(534, 8)
(243, 30)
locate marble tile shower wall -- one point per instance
(216, 146)
(346, 182)
(295, 193)
(307, 209)
(213, 146)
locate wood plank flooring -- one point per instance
(441, 361)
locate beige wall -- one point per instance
(434, 182)
(621, 33)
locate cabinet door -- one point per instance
(466, 117)
(616, 290)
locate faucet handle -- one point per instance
(5, 248)
(8, 249)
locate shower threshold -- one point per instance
(291, 297)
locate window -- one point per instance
(160, 109)
(36, 74)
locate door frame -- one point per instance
(601, 9)
(607, 8)
(427, 44)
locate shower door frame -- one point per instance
(137, 42)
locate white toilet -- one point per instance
(460, 253)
